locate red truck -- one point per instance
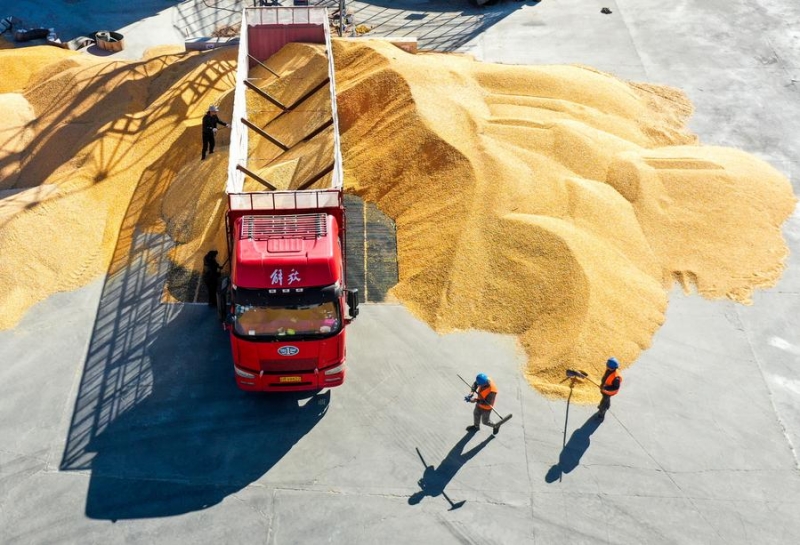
(285, 303)
(286, 296)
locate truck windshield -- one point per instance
(315, 320)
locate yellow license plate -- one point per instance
(289, 379)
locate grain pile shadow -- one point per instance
(573, 450)
(158, 419)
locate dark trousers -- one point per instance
(211, 287)
(208, 142)
(484, 415)
(605, 403)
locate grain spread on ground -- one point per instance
(554, 203)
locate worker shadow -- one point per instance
(434, 480)
(573, 450)
(158, 421)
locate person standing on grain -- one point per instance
(210, 122)
(609, 386)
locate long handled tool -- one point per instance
(571, 373)
(503, 419)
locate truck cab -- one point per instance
(285, 303)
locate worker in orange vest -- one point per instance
(609, 386)
(484, 395)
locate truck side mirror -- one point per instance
(352, 302)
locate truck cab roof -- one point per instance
(286, 251)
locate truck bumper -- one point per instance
(265, 382)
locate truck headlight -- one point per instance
(335, 370)
(242, 373)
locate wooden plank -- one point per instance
(263, 94)
(267, 68)
(256, 177)
(308, 94)
(318, 130)
(319, 175)
(258, 130)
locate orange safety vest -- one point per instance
(484, 391)
(609, 382)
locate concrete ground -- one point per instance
(120, 421)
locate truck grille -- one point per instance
(290, 226)
(280, 367)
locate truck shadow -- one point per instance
(152, 465)
(158, 419)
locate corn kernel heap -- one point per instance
(555, 203)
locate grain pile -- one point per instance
(96, 149)
(555, 203)
(294, 73)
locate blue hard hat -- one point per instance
(482, 379)
(612, 363)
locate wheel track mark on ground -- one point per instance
(454, 529)
(669, 476)
(771, 397)
(528, 468)
(400, 431)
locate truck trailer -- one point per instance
(285, 304)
